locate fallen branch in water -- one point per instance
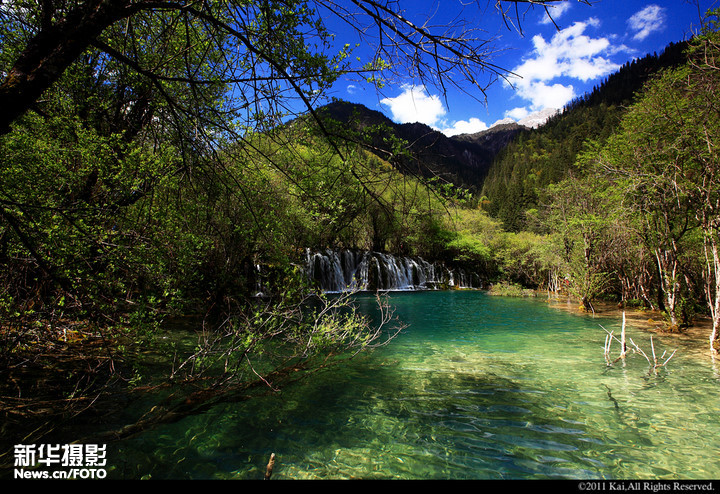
(270, 466)
(655, 363)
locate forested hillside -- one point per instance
(546, 155)
(146, 175)
(619, 194)
(418, 150)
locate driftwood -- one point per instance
(270, 466)
(655, 363)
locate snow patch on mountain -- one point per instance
(537, 119)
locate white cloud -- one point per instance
(414, 104)
(465, 127)
(556, 11)
(517, 113)
(543, 95)
(647, 21)
(570, 54)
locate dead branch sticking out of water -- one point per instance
(655, 363)
(270, 466)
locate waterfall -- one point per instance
(338, 271)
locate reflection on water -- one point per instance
(476, 387)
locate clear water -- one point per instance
(477, 387)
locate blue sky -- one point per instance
(556, 65)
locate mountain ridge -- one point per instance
(478, 161)
(463, 159)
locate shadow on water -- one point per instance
(476, 387)
(373, 422)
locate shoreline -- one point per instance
(694, 339)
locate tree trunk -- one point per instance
(51, 52)
(670, 288)
(712, 285)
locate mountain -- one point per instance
(538, 119)
(463, 160)
(535, 158)
(496, 137)
(511, 161)
(501, 133)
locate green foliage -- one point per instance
(632, 215)
(139, 187)
(506, 289)
(481, 244)
(540, 157)
(614, 183)
(661, 159)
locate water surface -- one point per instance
(477, 387)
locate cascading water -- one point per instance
(338, 271)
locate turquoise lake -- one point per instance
(476, 387)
